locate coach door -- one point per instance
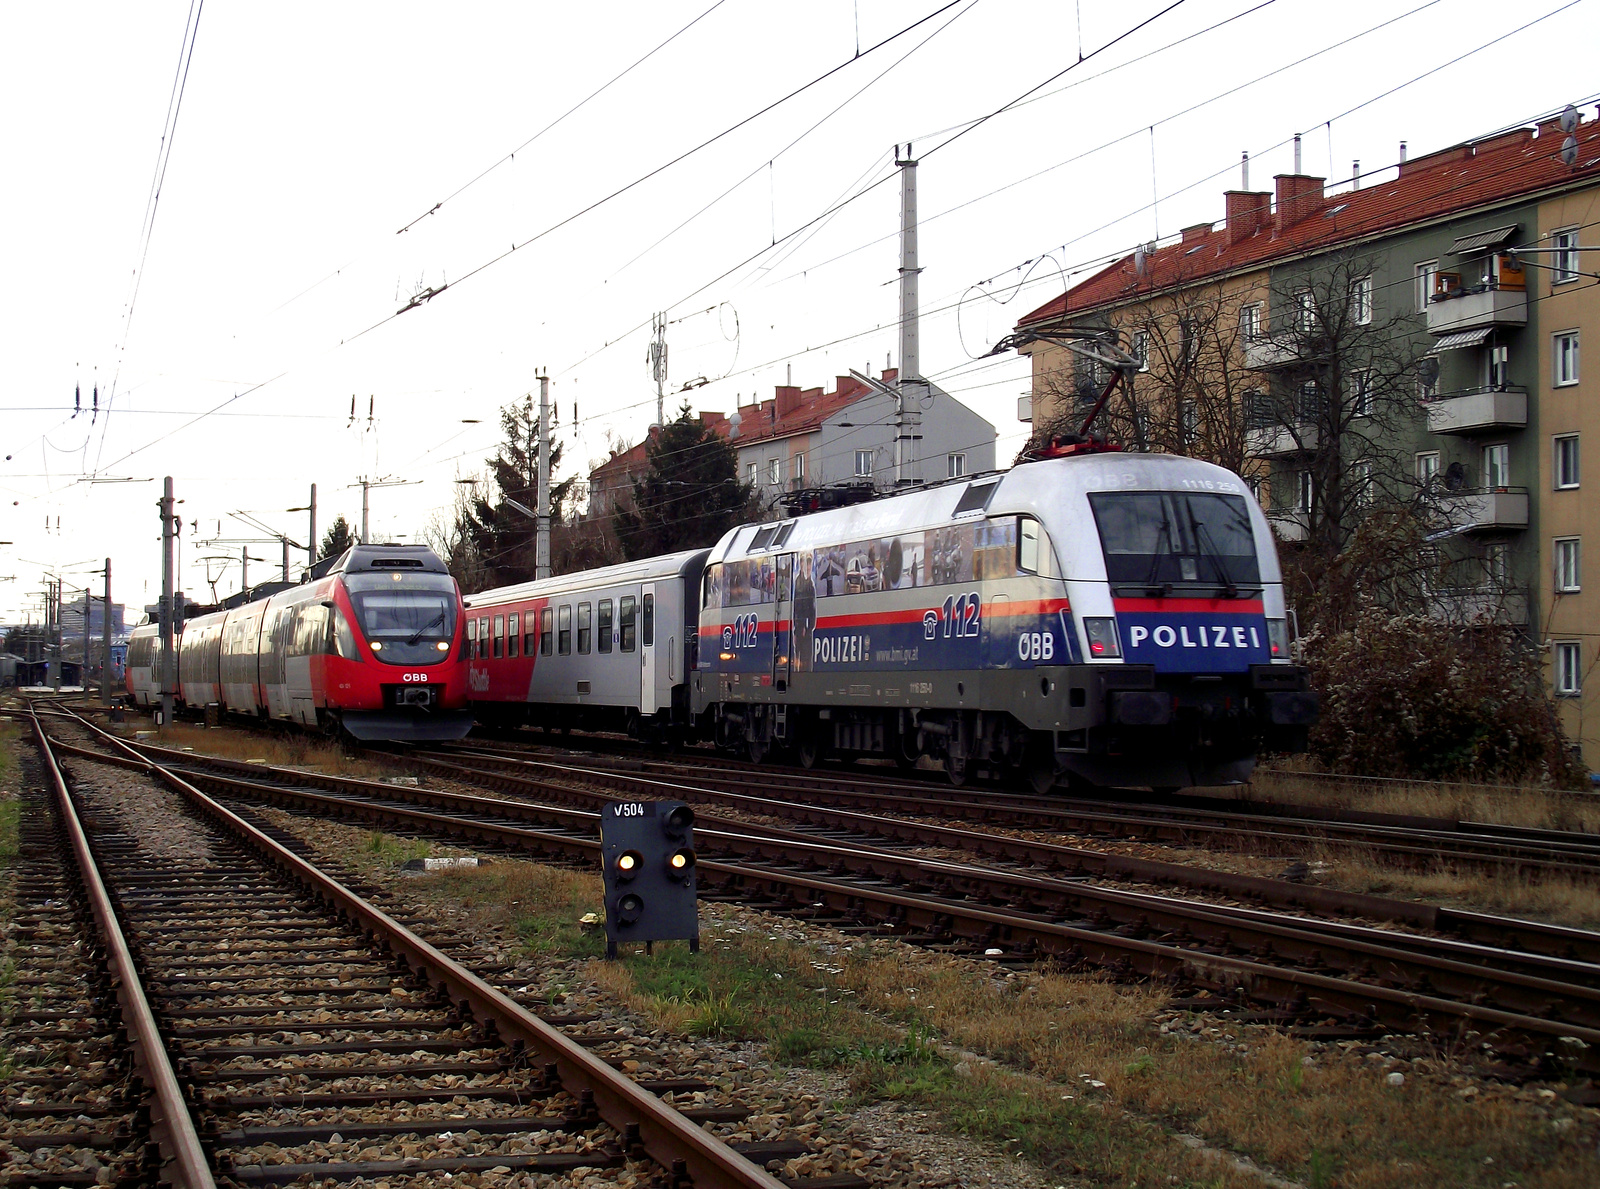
(647, 649)
(782, 620)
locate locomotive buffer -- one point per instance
(647, 858)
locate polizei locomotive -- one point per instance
(1102, 617)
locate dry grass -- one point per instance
(285, 749)
(1533, 806)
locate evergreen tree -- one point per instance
(337, 539)
(690, 496)
(497, 538)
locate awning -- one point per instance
(1461, 338)
(1484, 239)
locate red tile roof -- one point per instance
(1259, 232)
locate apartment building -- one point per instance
(1467, 264)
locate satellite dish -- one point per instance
(1569, 151)
(1569, 119)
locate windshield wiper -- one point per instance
(1208, 547)
(417, 635)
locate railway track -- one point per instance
(1325, 977)
(283, 1026)
(1187, 822)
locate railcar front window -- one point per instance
(1176, 539)
(407, 618)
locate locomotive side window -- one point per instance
(546, 632)
(625, 622)
(564, 630)
(647, 630)
(605, 625)
(1028, 545)
(499, 636)
(585, 631)
(511, 635)
(711, 588)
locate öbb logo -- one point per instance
(413, 677)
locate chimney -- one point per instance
(1298, 197)
(1196, 233)
(1244, 171)
(788, 399)
(1355, 174)
(1297, 152)
(1248, 212)
(1402, 152)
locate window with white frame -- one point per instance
(1305, 311)
(1569, 668)
(1189, 414)
(750, 473)
(955, 465)
(1569, 572)
(774, 471)
(863, 462)
(1141, 349)
(1566, 358)
(1497, 565)
(1366, 492)
(1497, 465)
(1305, 493)
(1428, 467)
(1425, 273)
(1250, 322)
(1496, 366)
(1564, 261)
(1361, 301)
(1566, 462)
(799, 468)
(1361, 393)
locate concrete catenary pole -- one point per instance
(311, 541)
(366, 490)
(244, 570)
(169, 656)
(908, 411)
(541, 547)
(105, 641)
(83, 675)
(284, 541)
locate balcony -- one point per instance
(1290, 525)
(1475, 410)
(1265, 354)
(1455, 310)
(1486, 510)
(1280, 441)
(1480, 604)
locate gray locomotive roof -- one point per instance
(1025, 488)
(646, 569)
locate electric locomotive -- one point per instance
(372, 645)
(1109, 618)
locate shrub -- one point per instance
(1410, 696)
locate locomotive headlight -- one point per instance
(443, 646)
(377, 646)
(1278, 639)
(1102, 635)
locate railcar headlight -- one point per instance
(377, 646)
(1278, 639)
(443, 646)
(1102, 634)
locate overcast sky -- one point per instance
(310, 134)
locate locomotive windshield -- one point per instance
(1161, 540)
(405, 616)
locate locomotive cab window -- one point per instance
(604, 627)
(499, 636)
(564, 630)
(647, 629)
(547, 635)
(1159, 540)
(405, 616)
(711, 588)
(511, 635)
(585, 629)
(625, 624)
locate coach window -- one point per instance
(547, 636)
(511, 635)
(585, 618)
(605, 625)
(472, 637)
(483, 637)
(564, 630)
(625, 622)
(648, 630)
(499, 636)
